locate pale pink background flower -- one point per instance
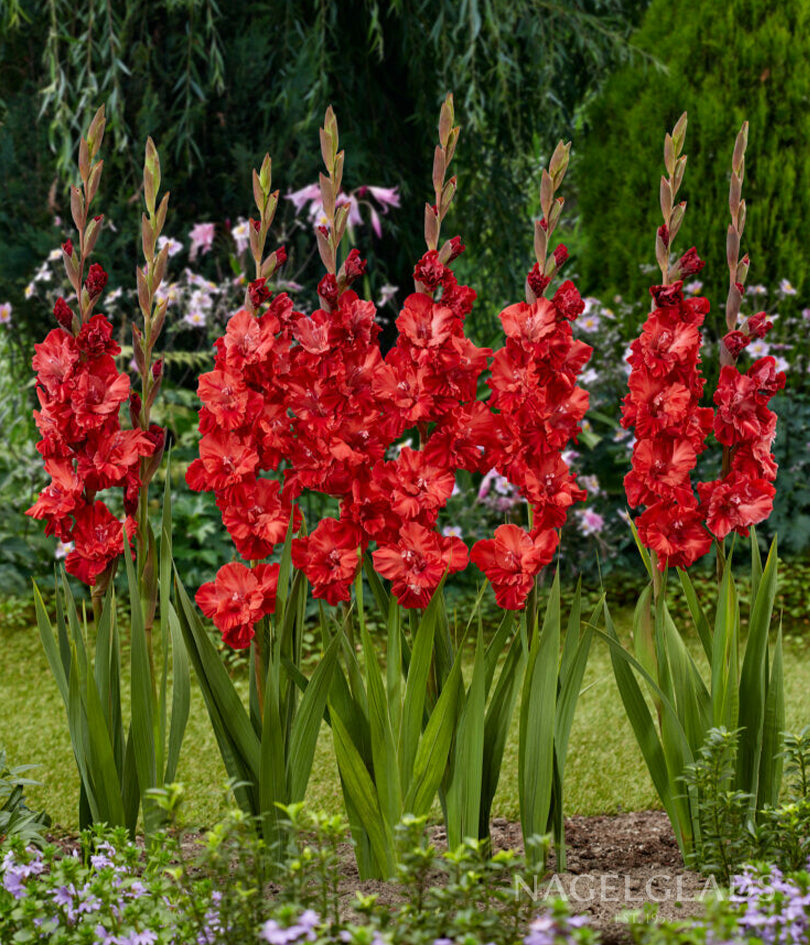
(202, 238)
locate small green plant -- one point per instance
(726, 833)
(785, 830)
(723, 837)
(16, 820)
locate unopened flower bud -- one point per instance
(568, 301)
(538, 283)
(281, 256)
(134, 409)
(456, 248)
(157, 369)
(735, 341)
(429, 271)
(258, 292)
(328, 289)
(663, 234)
(667, 296)
(63, 314)
(689, 264)
(67, 247)
(759, 325)
(95, 281)
(255, 224)
(560, 255)
(354, 266)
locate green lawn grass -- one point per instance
(605, 772)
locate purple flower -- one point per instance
(137, 889)
(13, 881)
(5, 313)
(65, 896)
(99, 861)
(147, 937)
(277, 934)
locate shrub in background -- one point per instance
(724, 62)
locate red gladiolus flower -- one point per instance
(55, 360)
(81, 391)
(60, 499)
(95, 337)
(529, 324)
(675, 532)
(456, 248)
(97, 392)
(225, 395)
(98, 538)
(668, 296)
(328, 289)
(511, 561)
(416, 563)
(665, 386)
(660, 465)
(417, 486)
(739, 416)
(237, 598)
(568, 301)
(329, 558)
(736, 502)
(247, 340)
(257, 516)
(225, 459)
(425, 323)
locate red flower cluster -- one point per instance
(539, 408)
(80, 391)
(746, 427)
(665, 388)
(313, 394)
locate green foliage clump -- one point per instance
(724, 63)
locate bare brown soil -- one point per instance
(616, 864)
